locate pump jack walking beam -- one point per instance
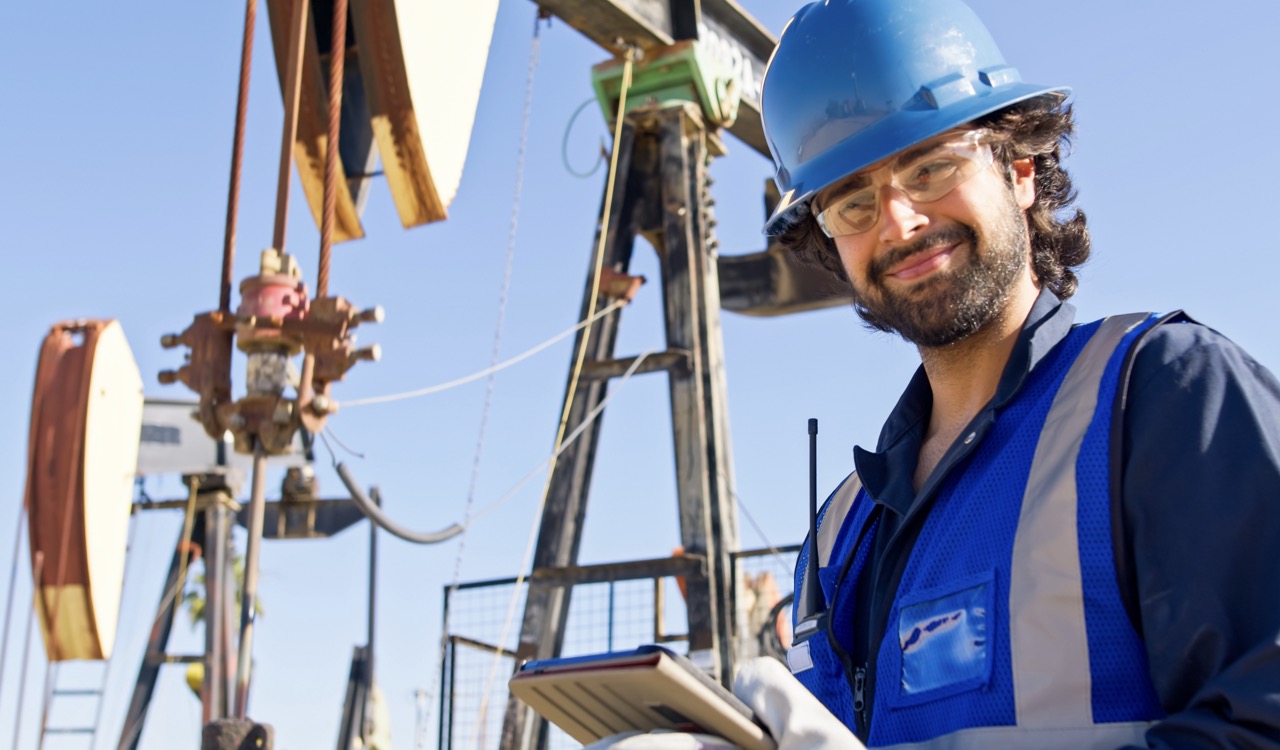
(659, 193)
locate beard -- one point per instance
(954, 304)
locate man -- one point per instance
(1069, 534)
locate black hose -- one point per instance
(375, 514)
(770, 641)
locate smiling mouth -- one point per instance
(923, 263)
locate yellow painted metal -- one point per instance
(423, 62)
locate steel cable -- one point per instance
(488, 370)
(13, 582)
(292, 93)
(237, 157)
(535, 49)
(37, 571)
(106, 674)
(579, 360)
(337, 63)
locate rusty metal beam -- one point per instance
(772, 282)
(612, 368)
(660, 567)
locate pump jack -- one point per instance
(661, 190)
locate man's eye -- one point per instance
(858, 202)
(925, 174)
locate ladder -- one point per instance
(58, 696)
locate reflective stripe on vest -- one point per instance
(1019, 738)
(837, 509)
(1048, 640)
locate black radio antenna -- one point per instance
(812, 603)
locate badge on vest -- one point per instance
(945, 640)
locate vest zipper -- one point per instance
(884, 581)
(856, 677)
(860, 700)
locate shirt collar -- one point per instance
(887, 473)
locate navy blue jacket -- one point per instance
(1197, 521)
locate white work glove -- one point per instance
(795, 718)
(661, 740)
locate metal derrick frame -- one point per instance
(297, 515)
(215, 509)
(660, 193)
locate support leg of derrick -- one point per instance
(699, 405)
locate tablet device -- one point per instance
(592, 697)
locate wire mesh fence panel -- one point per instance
(619, 616)
(483, 627)
(476, 695)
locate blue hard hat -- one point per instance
(854, 81)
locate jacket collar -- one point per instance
(887, 473)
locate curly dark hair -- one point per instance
(1040, 128)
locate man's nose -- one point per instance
(899, 219)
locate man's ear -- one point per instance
(1024, 181)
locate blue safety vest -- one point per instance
(1007, 629)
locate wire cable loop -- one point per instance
(496, 368)
(564, 145)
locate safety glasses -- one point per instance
(923, 174)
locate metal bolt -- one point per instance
(374, 314)
(320, 404)
(283, 413)
(371, 353)
(170, 340)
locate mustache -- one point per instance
(943, 237)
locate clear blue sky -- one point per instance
(117, 124)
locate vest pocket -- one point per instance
(945, 641)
